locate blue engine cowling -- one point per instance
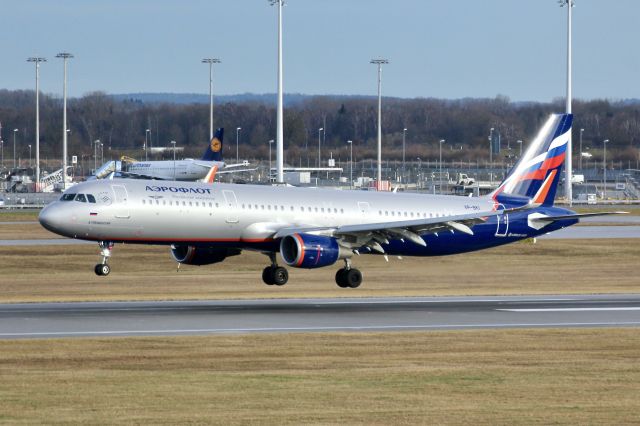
(192, 255)
(309, 251)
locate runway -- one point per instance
(56, 320)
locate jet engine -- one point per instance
(192, 255)
(311, 251)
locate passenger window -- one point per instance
(144, 202)
(91, 198)
(81, 198)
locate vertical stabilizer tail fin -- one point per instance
(214, 150)
(537, 173)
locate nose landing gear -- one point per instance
(103, 269)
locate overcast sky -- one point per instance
(437, 48)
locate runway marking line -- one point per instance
(330, 328)
(622, 308)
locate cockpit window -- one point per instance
(68, 197)
(91, 198)
(81, 198)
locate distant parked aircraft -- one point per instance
(180, 170)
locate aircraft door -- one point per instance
(231, 206)
(121, 209)
(364, 208)
(503, 223)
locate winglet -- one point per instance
(210, 177)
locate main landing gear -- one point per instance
(103, 269)
(348, 277)
(274, 274)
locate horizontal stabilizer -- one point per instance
(575, 216)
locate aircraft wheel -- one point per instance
(102, 269)
(341, 278)
(267, 275)
(353, 278)
(280, 275)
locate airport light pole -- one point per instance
(280, 112)
(319, 142)
(37, 61)
(211, 61)
(491, 155)
(350, 164)
(269, 174)
(519, 142)
(146, 144)
(237, 138)
(174, 159)
(379, 63)
(604, 189)
(2, 152)
(14, 147)
(440, 164)
(95, 155)
(404, 137)
(65, 57)
(581, 132)
(568, 157)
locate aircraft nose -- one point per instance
(52, 218)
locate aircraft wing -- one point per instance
(371, 235)
(224, 168)
(133, 175)
(225, 171)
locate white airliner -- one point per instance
(180, 170)
(310, 228)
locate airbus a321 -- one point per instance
(311, 228)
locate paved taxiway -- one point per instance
(309, 315)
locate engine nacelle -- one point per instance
(192, 255)
(311, 251)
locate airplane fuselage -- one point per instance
(247, 216)
(180, 170)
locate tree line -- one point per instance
(121, 125)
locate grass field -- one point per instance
(579, 376)
(65, 273)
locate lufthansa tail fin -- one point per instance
(214, 150)
(537, 173)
